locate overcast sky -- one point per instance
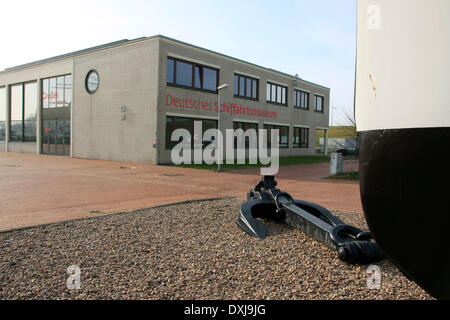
(315, 39)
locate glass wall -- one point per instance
(283, 140)
(30, 111)
(2, 114)
(319, 104)
(174, 123)
(276, 94)
(301, 99)
(23, 112)
(16, 132)
(191, 75)
(301, 138)
(245, 87)
(245, 126)
(57, 92)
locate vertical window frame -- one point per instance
(194, 66)
(322, 98)
(254, 85)
(279, 89)
(303, 135)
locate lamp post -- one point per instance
(332, 114)
(220, 137)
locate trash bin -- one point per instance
(337, 163)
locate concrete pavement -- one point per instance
(39, 189)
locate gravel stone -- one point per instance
(189, 251)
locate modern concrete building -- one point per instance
(121, 101)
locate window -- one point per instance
(174, 123)
(245, 126)
(319, 104)
(30, 112)
(16, 132)
(191, 75)
(23, 112)
(2, 114)
(246, 87)
(276, 94)
(57, 92)
(283, 141)
(301, 138)
(301, 99)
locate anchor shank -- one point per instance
(309, 224)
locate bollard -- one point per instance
(337, 165)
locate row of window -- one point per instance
(2, 114)
(23, 112)
(301, 135)
(192, 75)
(56, 93)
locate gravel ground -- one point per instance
(190, 251)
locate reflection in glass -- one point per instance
(255, 89)
(209, 79)
(2, 130)
(170, 71)
(248, 92)
(2, 114)
(16, 102)
(236, 85)
(45, 93)
(68, 90)
(60, 92)
(30, 131)
(184, 74)
(198, 79)
(242, 86)
(174, 123)
(52, 93)
(16, 132)
(319, 103)
(30, 101)
(67, 132)
(2, 104)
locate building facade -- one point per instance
(123, 100)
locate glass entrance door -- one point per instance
(56, 137)
(56, 106)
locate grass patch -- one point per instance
(349, 176)
(289, 161)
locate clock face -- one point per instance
(92, 81)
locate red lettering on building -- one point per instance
(230, 108)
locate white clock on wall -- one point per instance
(92, 81)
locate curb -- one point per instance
(113, 214)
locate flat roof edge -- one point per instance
(126, 41)
(239, 60)
(74, 54)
